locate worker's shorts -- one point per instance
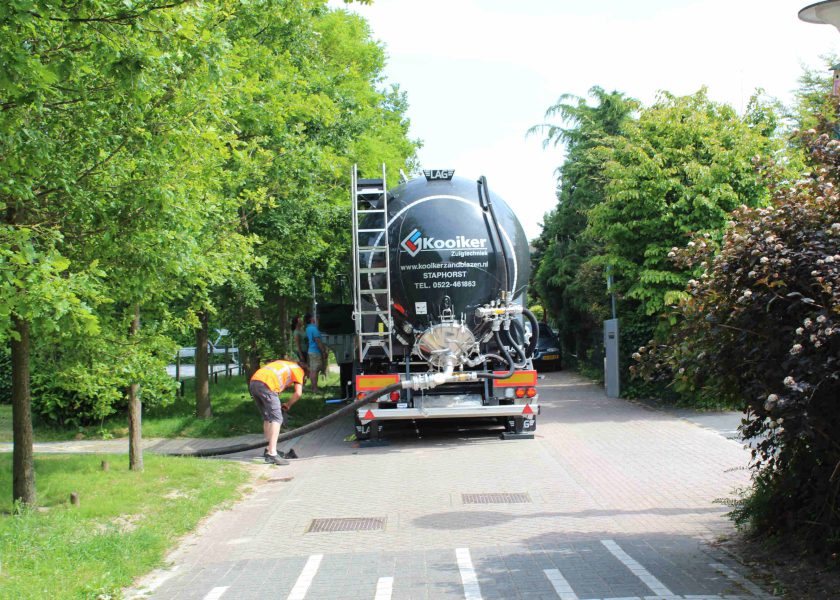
(315, 364)
(267, 402)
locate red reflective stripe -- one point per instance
(518, 379)
(374, 382)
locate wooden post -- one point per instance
(106, 466)
(74, 498)
(227, 362)
(178, 366)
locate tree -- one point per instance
(109, 115)
(572, 291)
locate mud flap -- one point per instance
(520, 427)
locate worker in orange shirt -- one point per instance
(265, 388)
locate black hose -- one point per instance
(535, 331)
(508, 359)
(482, 186)
(520, 353)
(367, 399)
(300, 430)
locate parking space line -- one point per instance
(656, 586)
(216, 593)
(305, 578)
(384, 588)
(468, 578)
(745, 583)
(561, 586)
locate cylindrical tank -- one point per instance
(446, 255)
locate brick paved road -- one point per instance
(615, 501)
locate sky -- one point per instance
(480, 73)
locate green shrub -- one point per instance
(761, 325)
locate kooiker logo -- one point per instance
(415, 242)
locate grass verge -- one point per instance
(125, 523)
(234, 413)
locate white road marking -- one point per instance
(740, 580)
(468, 578)
(561, 586)
(216, 593)
(638, 570)
(305, 578)
(384, 587)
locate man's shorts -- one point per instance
(267, 402)
(315, 364)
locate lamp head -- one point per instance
(822, 13)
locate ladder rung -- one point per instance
(371, 230)
(369, 191)
(362, 182)
(375, 333)
(373, 211)
(373, 312)
(373, 271)
(372, 248)
(373, 291)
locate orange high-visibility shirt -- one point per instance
(277, 375)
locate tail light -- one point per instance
(360, 395)
(520, 392)
(395, 396)
(531, 392)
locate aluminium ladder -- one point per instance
(371, 267)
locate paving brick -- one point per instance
(599, 469)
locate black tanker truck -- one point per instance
(440, 270)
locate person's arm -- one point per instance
(294, 397)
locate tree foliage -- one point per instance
(146, 149)
(570, 287)
(636, 183)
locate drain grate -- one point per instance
(347, 524)
(498, 498)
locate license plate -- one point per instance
(551, 357)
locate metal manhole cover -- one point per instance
(498, 498)
(347, 524)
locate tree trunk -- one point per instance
(135, 410)
(23, 469)
(203, 410)
(285, 326)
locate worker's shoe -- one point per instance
(275, 460)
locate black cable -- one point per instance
(488, 205)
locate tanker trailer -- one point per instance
(440, 271)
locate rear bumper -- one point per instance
(464, 412)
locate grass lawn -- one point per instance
(234, 413)
(125, 523)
